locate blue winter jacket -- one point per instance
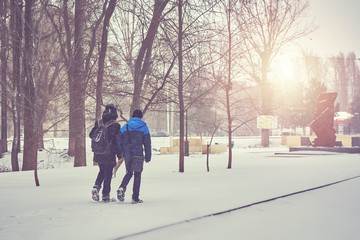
(139, 137)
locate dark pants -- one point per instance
(104, 175)
(129, 173)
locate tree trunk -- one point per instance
(207, 157)
(228, 88)
(72, 107)
(3, 58)
(40, 133)
(102, 56)
(16, 36)
(265, 96)
(69, 60)
(79, 85)
(228, 110)
(180, 91)
(30, 136)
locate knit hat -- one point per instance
(110, 112)
(137, 113)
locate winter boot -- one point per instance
(106, 198)
(121, 194)
(136, 200)
(95, 193)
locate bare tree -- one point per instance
(228, 85)
(16, 39)
(62, 23)
(104, 43)
(181, 86)
(236, 107)
(268, 26)
(51, 84)
(138, 54)
(3, 58)
(47, 66)
(193, 34)
(79, 85)
(78, 63)
(143, 59)
(30, 138)
(225, 80)
(30, 146)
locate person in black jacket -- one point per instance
(107, 162)
(135, 134)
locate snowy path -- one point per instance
(61, 208)
(312, 215)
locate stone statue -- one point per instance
(323, 123)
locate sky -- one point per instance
(337, 31)
(338, 22)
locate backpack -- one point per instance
(100, 143)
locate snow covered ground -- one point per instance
(177, 205)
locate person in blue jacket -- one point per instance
(135, 140)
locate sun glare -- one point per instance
(283, 68)
(283, 72)
(286, 69)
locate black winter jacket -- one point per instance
(113, 131)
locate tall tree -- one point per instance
(3, 59)
(223, 72)
(268, 26)
(67, 51)
(79, 85)
(104, 44)
(30, 146)
(30, 133)
(137, 28)
(16, 39)
(78, 64)
(180, 86)
(192, 30)
(144, 57)
(229, 82)
(51, 85)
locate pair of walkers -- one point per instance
(127, 143)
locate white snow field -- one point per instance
(178, 205)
